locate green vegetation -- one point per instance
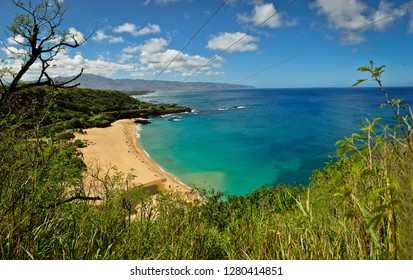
(360, 206)
(76, 108)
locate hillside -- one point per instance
(130, 85)
(78, 108)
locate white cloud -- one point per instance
(101, 36)
(75, 36)
(130, 49)
(385, 11)
(352, 38)
(113, 39)
(224, 40)
(263, 13)
(125, 57)
(347, 14)
(126, 27)
(149, 29)
(408, 7)
(184, 64)
(350, 16)
(152, 45)
(18, 39)
(72, 36)
(143, 60)
(65, 65)
(68, 65)
(164, 2)
(133, 29)
(13, 52)
(153, 57)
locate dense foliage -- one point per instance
(360, 206)
(74, 108)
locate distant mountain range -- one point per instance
(138, 85)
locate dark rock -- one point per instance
(142, 121)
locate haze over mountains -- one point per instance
(131, 85)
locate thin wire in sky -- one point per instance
(190, 40)
(300, 53)
(237, 41)
(187, 44)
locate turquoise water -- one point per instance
(238, 140)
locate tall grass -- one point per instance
(272, 223)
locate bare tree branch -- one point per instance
(77, 197)
(36, 31)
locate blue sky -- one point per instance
(313, 43)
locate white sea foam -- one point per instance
(146, 153)
(138, 131)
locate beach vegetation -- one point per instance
(70, 109)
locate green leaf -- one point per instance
(359, 82)
(369, 220)
(379, 69)
(364, 69)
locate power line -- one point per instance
(300, 53)
(187, 44)
(190, 40)
(237, 41)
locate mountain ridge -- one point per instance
(139, 85)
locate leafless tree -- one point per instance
(36, 31)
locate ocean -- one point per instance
(235, 141)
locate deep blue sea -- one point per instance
(238, 140)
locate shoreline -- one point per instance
(118, 149)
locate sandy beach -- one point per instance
(118, 146)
